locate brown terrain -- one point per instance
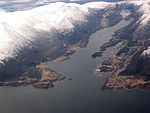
(128, 69)
(126, 82)
(45, 81)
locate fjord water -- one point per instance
(82, 94)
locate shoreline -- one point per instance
(46, 77)
(122, 62)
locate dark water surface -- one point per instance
(83, 94)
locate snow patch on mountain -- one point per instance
(144, 9)
(146, 52)
(99, 5)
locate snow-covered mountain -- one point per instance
(40, 31)
(22, 29)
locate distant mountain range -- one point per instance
(17, 5)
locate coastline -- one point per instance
(123, 63)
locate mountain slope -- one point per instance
(20, 29)
(29, 37)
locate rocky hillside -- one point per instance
(131, 62)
